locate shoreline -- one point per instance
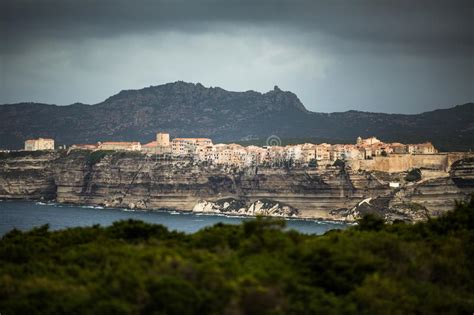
(41, 202)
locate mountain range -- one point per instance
(192, 110)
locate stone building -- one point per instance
(188, 146)
(207, 153)
(399, 148)
(308, 152)
(255, 154)
(351, 152)
(162, 144)
(274, 153)
(163, 139)
(293, 152)
(39, 144)
(367, 141)
(323, 152)
(337, 152)
(424, 148)
(154, 148)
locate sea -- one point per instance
(25, 215)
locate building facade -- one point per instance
(163, 139)
(202, 149)
(120, 146)
(188, 146)
(39, 144)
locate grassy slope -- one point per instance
(255, 268)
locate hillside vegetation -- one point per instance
(258, 267)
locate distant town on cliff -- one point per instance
(366, 154)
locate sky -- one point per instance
(389, 56)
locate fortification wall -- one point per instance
(391, 164)
(430, 161)
(403, 162)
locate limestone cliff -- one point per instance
(27, 175)
(134, 180)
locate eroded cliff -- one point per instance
(134, 180)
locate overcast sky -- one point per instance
(385, 56)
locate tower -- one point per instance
(163, 139)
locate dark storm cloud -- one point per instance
(427, 26)
(380, 55)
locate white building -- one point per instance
(39, 144)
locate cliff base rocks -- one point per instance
(265, 207)
(380, 207)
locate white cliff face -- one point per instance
(206, 206)
(262, 208)
(237, 207)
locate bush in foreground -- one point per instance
(413, 175)
(258, 267)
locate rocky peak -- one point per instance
(285, 100)
(185, 97)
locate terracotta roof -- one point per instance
(84, 145)
(121, 143)
(150, 144)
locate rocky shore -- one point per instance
(240, 207)
(137, 181)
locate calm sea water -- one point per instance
(25, 215)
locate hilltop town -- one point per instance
(330, 181)
(366, 154)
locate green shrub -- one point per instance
(371, 222)
(313, 163)
(95, 156)
(413, 175)
(258, 267)
(339, 163)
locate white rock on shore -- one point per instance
(238, 207)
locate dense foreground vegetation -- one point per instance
(255, 268)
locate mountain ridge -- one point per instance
(189, 109)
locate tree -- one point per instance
(413, 175)
(370, 222)
(313, 163)
(257, 267)
(339, 163)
